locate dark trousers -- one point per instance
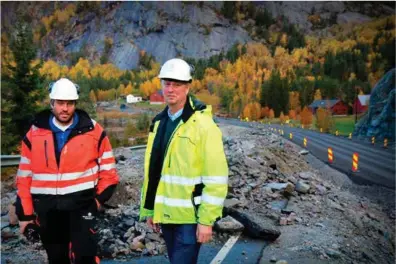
(181, 242)
(69, 236)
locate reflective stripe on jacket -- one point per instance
(83, 170)
(193, 180)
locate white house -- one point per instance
(133, 99)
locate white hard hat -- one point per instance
(176, 69)
(64, 89)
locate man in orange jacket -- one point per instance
(67, 171)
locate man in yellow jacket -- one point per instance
(186, 172)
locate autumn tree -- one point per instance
(271, 114)
(252, 111)
(282, 117)
(92, 96)
(306, 116)
(318, 95)
(292, 114)
(265, 112)
(324, 119)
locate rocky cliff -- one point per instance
(167, 29)
(380, 118)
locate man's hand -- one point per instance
(23, 224)
(152, 225)
(204, 233)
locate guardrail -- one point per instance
(13, 160)
(10, 160)
(138, 147)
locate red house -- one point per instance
(361, 104)
(336, 106)
(157, 98)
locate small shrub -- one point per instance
(143, 123)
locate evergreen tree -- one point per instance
(23, 88)
(229, 10)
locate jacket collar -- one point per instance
(189, 108)
(42, 120)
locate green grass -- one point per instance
(344, 125)
(147, 105)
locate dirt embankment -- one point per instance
(316, 214)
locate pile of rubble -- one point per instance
(274, 194)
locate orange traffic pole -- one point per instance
(305, 142)
(330, 155)
(355, 161)
(385, 143)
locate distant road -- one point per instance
(376, 164)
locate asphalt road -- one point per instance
(244, 251)
(376, 164)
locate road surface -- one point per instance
(244, 251)
(376, 164)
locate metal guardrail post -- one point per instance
(138, 147)
(13, 160)
(10, 160)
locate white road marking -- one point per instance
(225, 249)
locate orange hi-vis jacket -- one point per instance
(84, 170)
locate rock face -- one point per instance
(380, 120)
(168, 29)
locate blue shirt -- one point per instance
(61, 136)
(175, 115)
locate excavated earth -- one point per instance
(308, 212)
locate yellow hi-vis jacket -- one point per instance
(190, 182)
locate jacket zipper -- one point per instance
(45, 152)
(167, 146)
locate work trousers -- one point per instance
(69, 236)
(181, 242)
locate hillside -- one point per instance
(254, 60)
(168, 29)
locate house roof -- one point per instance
(364, 99)
(324, 103)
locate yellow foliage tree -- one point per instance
(306, 116)
(208, 99)
(52, 70)
(294, 100)
(121, 89)
(324, 119)
(252, 111)
(292, 114)
(106, 71)
(149, 87)
(128, 89)
(282, 117)
(196, 86)
(81, 68)
(318, 95)
(283, 40)
(265, 112)
(92, 96)
(271, 114)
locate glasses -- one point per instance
(168, 84)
